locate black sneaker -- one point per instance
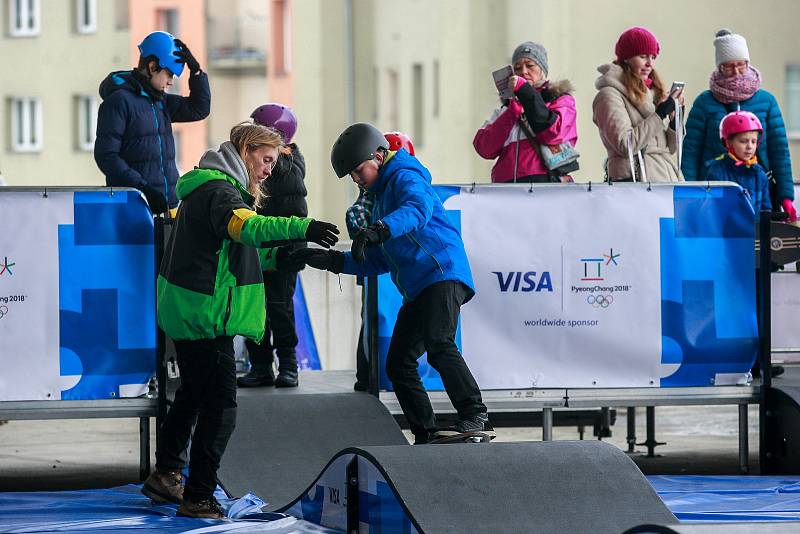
(426, 437)
(360, 386)
(257, 377)
(286, 379)
(474, 423)
(206, 509)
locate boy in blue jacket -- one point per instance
(410, 237)
(134, 145)
(740, 133)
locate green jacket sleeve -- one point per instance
(248, 228)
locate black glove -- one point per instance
(672, 124)
(155, 199)
(185, 56)
(322, 233)
(283, 261)
(324, 260)
(665, 108)
(372, 235)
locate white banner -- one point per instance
(77, 294)
(602, 287)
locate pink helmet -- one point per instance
(277, 116)
(738, 122)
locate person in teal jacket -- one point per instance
(735, 85)
(411, 237)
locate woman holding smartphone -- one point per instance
(538, 113)
(634, 113)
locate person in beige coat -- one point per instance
(630, 108)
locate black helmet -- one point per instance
(356, 145)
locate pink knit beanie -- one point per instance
(636, 41)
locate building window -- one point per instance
(24, 17)
(86, 16)
(86, 119)
(393, 87)
(792, 116)
(167, 20)
(418, 94)
(121, 15)
(26, 124)
(436, 88)
(282, 36)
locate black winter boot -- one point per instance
(259, 376)
(287, 368)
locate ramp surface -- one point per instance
(720, 528)
(542, 487)
(283, 442)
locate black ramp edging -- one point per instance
(559, 487)
(750, 527)
(283, 442)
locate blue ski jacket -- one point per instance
(425, 247)
(134, 145)
(752, 178)
(702, 142)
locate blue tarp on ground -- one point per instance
(125, 508)
(729, 498)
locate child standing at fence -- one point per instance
(740, 133)
(411, 237)
(210, 288)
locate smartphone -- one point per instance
(676, 86)
(501, 77)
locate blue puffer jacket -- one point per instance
(702, 141)
(425, 247)
(134, 145)
(752, 178)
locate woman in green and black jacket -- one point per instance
(210, 288)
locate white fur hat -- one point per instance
(729, 46)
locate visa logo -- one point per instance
(525, 282)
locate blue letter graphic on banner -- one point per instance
(707, 256)
(107, 294)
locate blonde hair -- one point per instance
(247, 136)
(635, 87)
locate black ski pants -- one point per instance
(206, 402)
(429, 323)
(280, 331)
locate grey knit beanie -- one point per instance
(533, 51)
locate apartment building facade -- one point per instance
(53, 54)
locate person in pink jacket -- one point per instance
(546, 107)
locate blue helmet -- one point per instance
(162, 46)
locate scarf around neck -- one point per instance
(736, 88)
(746, 162)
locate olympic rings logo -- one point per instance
(3, 311)
(600, 301)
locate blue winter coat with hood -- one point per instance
(702, 142)
(134, 145)
(425, 247)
